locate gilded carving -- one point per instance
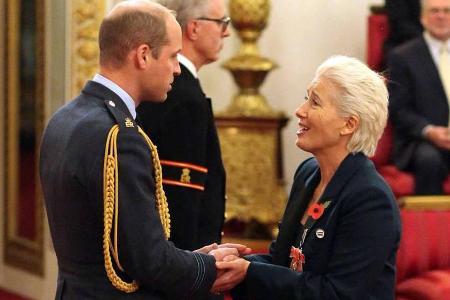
(251, 156)
(248, 67)
(249, 129)
(86, 21)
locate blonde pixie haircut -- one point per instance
(361, 92)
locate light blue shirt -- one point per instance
(129, 102)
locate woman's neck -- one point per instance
(328, 164)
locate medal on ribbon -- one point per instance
(297, 259)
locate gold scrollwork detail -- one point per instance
(257, 194)
(86, 21)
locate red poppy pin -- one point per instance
(316, 210)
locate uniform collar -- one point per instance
(124, 96)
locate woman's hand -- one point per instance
(231, 271)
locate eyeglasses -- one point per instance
(222, 21)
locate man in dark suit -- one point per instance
(184, 131)
(95, 162)
(419, 105)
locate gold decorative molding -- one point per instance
(86, 18)
(24, 107)
(251, 151)
(248, 67)
(425, 202)
(249, 129)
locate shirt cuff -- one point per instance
(426, 129)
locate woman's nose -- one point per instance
(301, 110)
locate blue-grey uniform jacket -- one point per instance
(71, 170)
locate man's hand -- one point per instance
(220, 253)
(439, 135)
(242, 249)
(231, 271)
(207, 249)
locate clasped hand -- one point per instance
(231, 268)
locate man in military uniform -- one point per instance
(101, 175)
(184, 131)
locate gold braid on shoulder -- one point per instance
(111, 206)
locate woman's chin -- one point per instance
(300, 144)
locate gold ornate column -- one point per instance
(86, 18)
(249, 129)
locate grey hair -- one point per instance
(186, 10)
(361, 93)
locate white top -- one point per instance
(435, 46)
(188, 64)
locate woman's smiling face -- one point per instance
(319, 123)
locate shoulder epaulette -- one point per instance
(122, 120)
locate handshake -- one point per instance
(231, 268)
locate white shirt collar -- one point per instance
(435, 46)
(188, 64)
(124, 96)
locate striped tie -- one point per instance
(444, 71)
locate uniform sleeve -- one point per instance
(364, 241)
(143, 251)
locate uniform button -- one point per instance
(112, 103)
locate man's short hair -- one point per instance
(186, 9)
(119, 34)
(360, 92)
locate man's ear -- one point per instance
(351, 124)
(143, 55)
(191, 30)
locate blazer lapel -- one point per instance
(290, 232)
(344, 173)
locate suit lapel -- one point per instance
(290, 232)
(344, 173)
(189, 79)
(428, 67)
(299, 199)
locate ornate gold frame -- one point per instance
(21, 252)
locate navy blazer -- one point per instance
(354, 259)
(71, 170)
(417, 97)
(183, 129)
